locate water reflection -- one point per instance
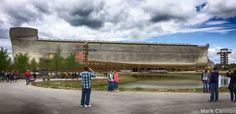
(164, 84)
(223, 82)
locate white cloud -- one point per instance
(232, 56)
(221, 30)
(111, 20)
(212, 54)
(221, 8)
(216, 22)
(5, 43)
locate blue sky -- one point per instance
(225, 37)
(224, 40)
(198, 22)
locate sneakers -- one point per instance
(86, 106)
(89, 105)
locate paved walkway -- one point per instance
(17, 98)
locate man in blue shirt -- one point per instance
(86, 76)
(214, 80)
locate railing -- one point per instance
(223, 81)
(125, 42)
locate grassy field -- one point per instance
(101, 85)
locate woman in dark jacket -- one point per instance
(232, 85)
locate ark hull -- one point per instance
(114, 55)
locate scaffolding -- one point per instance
(224, 56)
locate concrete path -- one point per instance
(17, 98)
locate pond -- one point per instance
(164, 84)
(223, 81)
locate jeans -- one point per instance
(85, 98)
(205, 85)
(27, 79)
(110, 86)
(233, 92)
(115, 85)
(214, 92)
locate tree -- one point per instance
(42, 63)
(22, 62)
(33, 65)
(71, 63)
(232, 66)
(57, 62)
(5, 60)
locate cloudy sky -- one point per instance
(163, 21)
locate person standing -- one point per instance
(34, 76)
(232, 85)
(116, 79)
(27, 76)
(2, 75)
(110, 79)
(16, 75)
(107, 75)
(86, 76)
(214, 80)
(8, 76)
(205, 81)
(12, 75)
